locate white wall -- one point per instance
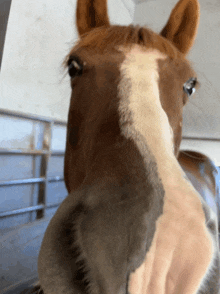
(39, 35)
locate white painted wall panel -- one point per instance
(39, 35)
(121, 11)
(13, 167)
(58, 138)
(14, 197)
(16, 133)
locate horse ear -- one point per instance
(91, 14)
(181, 28)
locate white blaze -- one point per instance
(139, 93)
(145, 122)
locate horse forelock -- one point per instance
(104, 39)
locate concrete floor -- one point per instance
(19, 252)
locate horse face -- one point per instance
(120, 73)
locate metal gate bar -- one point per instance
(45, 154)
(30, 181)
(27, 209)
(31, 117)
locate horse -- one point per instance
(205, 177)
(132, 221)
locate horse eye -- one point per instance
(75, 67)
(190, 86)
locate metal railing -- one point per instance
(45, 154)
(200, 138)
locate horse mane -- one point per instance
(103, 39)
